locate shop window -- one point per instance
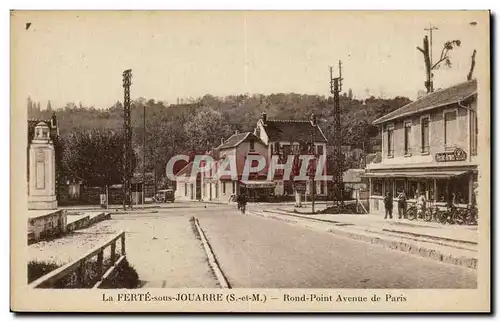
(288, 187)
(460, 186)
(430, 190)
(442, 190)
(322, 188)
(424, 128)
(388, 187)
(400, 186)
(377, 187)
(412, 189)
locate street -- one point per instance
(263, 253)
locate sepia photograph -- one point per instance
(250, 161)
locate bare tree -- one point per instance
(444, 57)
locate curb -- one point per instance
(212, 260)
(402, 246)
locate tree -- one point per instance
(95, 156)
(430, 66)
(472, 65)
(206, 129)
(49, 107)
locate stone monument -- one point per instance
(42, 175)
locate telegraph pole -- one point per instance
(430, 29)
(127, 129)
(335, 88)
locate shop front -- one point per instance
(437, 185)
(257, 190)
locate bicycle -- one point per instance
(471, 215)
(447, 216)
(411, 212)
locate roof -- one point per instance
(186, 171)
(237, 139)
(353, 175)
(292, 130)
(442, 97)
(416, 174)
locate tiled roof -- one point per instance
(291, 130)
(433, 100)
(237, 139)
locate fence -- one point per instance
(79, 266)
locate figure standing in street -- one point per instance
(421, 205)
(401, 204)
(388, 205)
(242, 202)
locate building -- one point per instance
(239, 146)
(428, 146)
(286, 137)
(355, 184)
(187, 184)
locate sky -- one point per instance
(80, 56)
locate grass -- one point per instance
(124, 276)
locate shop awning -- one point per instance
(258, 184)
(415, 174)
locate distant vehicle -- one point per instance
(164, 196)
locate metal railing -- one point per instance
(79, 265)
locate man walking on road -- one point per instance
(242, 202)
(388, 205)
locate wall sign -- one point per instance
(457, 155)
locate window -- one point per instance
(377, 187)
(288, 187)
(473, 133)
(322, 188)
(252, 145)
(185, 189)
(424, 144)
(412, 190)
(407, 132)
(450, 127)
(320, 150)
(223, 187)
(390, 141)
(400, 186)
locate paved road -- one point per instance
(266, 253)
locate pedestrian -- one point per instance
(388, 205)
(421, 205)
(242, 202)
(401, 204)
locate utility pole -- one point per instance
(430, 29)
(127, 129)
(313, 168)
(144, 157)
(335, 88)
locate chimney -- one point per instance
(221, 140)
(313, 119)
(236, 131)
(263, 117)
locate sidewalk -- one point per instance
(465, 234)
(446, 243)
